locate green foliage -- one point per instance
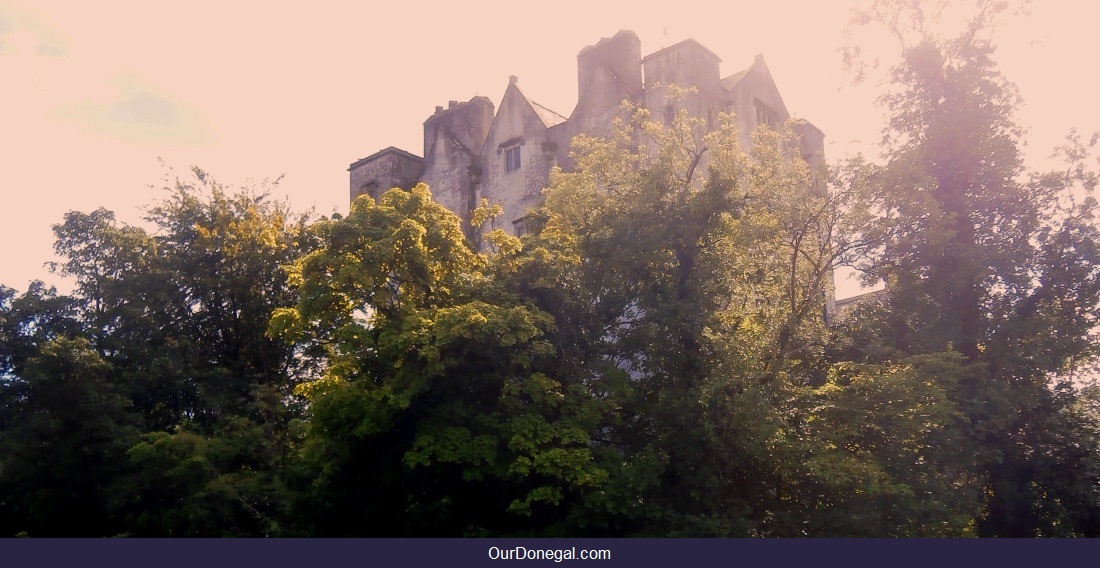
(65, 424)
(29, 322)
(983, 258)
(703, 278)
(651, 358)
(170, 327)
(188, 485)
(885, 451)
(433, 378)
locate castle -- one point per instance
(472, 152)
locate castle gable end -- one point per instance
(517, 155)
(755, 98)
(473, 151)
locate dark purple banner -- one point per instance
(505, 553)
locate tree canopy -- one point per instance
(654, 356)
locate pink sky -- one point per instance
(92, 93)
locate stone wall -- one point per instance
(453, 138)
(466, 144)
(379, 172)
(516, 125)
(686, 64)
(755, 93)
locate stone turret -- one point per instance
(465, 123)
(453, 138)
(384, 170)
(620, 57)
(686, 64)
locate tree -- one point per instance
(65, 425)
(438, 413)
(980, 259)
(689, 291)
(29, 322)
(164, 338)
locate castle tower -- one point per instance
(617, 58)
(686, 64)
(453, 138)
(608, 73)
(384, 170)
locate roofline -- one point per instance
(603, 40)
(513, 84)
(743, 73)
(678, 46)
(859, 298)
(551, 111)
(803, 121)
(382, 152)
(457, 106)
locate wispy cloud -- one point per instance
(44, 36)
(140, 113)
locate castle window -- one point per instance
(765, 116)
(512, 159)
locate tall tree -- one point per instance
(439, 412)
(695, 306)
(65, 426)
(984, 260)
(168, 328)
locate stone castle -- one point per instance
(473, 151)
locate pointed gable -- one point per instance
(753, 88)
(516, 158)
(517, 117)
(754, 99)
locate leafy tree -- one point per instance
(224, 255)
(881, 450)
(183, 311)
(688, 290)
(167, 326)
(434, 415)
(188, 485)
(65, 425)
(30, 321)
(984, 260)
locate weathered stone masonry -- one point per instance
(472, 152)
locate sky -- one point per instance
(99, 99)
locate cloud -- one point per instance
(5, 30)
(139, 113)
(45, 79)
(49, 41)
(50, 50)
